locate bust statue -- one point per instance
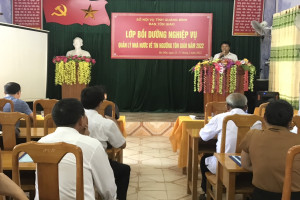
(77, 43)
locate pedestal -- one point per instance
(72, 91)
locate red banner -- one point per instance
(244, 12)
(161, 35)
(76, 11)
(27, 13)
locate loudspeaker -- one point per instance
(259, 85)
(264, 96)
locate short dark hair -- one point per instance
(279, 112)
(226, 42)
(12, 88)
(91, 97)
(67, 112)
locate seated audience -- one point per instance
(108, 109)
(108, 133)
(264, 152)
(236, 104)
(72, 124)
(9, 188)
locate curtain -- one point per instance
(285, 56)
(148, 85)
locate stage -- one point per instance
(151, 124)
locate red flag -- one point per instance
(76, 11)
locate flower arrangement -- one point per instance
(66, 66)
(220, 75)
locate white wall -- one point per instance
(23, 59)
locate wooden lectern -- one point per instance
(73, 74)
(72, 91)
(209, 97)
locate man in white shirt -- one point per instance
(236, 104)
(108, 133)
(72, 123)
(225, 52)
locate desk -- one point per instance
(227, 170)
(40, 123)
(195, 146)
(179, 137)
(121, 124)
(36, 133)
(6, 158)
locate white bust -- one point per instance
(77, 43)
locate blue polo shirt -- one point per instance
(19, 105)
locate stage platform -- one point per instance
(151, 124)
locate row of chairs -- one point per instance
(214, 108)
(48, 104)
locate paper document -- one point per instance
(236, 159)
(25, 158)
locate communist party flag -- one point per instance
(76, 11)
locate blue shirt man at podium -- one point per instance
(225, 48)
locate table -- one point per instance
(179, 137)
(195, 146)
(227, 170)
(40, 123)
(36, 133)
(6, 158)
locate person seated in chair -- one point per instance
(108, 133)
(12, 92)
(72, 125)
(264, 152)
(236, 104)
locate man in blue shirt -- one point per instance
(12, 92)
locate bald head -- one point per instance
(236, 100)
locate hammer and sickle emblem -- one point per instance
(59, 9)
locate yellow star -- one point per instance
(89, 12)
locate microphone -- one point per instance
(222, 54)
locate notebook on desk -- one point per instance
(25, 158)
(236, 159)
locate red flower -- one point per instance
(93, 61)
(87, 60)
(238, 63)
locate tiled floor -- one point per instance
(154, 171)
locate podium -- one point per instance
(209, 97)
(219, 78)
(72, 91)
(73, 73)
